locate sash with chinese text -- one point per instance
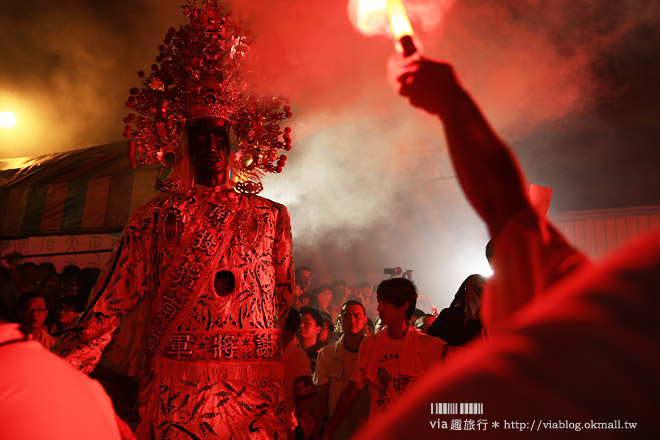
(182, 284)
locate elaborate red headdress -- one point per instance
(200, 75)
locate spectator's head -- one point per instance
(45, 269)
(32, 310)
(397, 298)
(310, 326)
(70, 277)
(53, 284)
(473, 293)
(304, 277)
(70, 306)
(324, 296)
(86, 279)
(353, 318)
(328, 328)
(297, 288)
(14, 259)
(489, 252)
(424, 322)
(291, 326)
(366, 290)
(30, 274)
(339, 290)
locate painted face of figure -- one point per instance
(353, 319)
(208, 140)
(33, 314)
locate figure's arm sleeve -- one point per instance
(123, 284)
(283, 258)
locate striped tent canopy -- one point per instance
(87, 191)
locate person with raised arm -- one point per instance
(572, 345)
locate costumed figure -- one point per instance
(207, 261)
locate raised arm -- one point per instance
(486, 168)
(530, 254)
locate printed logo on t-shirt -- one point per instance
(390, 385)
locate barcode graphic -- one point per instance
(456, 408)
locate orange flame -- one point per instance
(369, 15)
(380, 17)
(390, 18)
(398, 19)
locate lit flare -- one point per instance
(398, 19)
(385, 17)
(7, 119)
(401, 27)
(370, 15)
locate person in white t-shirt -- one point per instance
(334, 368)
(391, 361)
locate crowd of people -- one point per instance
(54, 299)
(45, 302)
(358, 350)
(321, 340)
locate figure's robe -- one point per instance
(212, 352)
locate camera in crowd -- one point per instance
(395, 272)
